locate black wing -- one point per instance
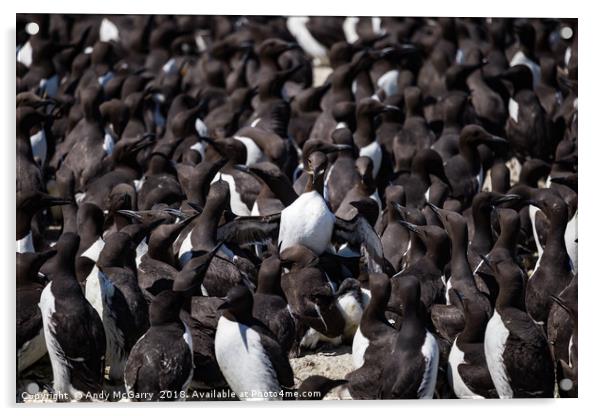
(250, 230)
(448, 320)
(80, 334)
(358, 232)
(474, 371)
(278, 358)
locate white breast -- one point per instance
(201, 128)
(60, 367)
(185, 253)
(462, 391)
(358, 348)
(99, 292)
(349, 26)
(243, 360)
(141, 250)
(199, 148)
(448, 286)
(307, 221)
(296, 25)
(93, 252)
(254, 152)
(352, 311)
(430, 352)
(108, 31)
(25, 245)
(24, 54)
(496, 335)
(39, 146)
(532, 214)
(374, 152)
(170, 66)
(388, 82)
(312, 338)
(138, 183)
(236, 204)
(480, 178)
(188, 340)
(513, 109)
(109, 143)
(570, 239)
(103, 79)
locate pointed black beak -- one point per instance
(176, 213)
(561, 303)
(411, 227)
(435, 209)
(242, 168)
(130, 214)
(400, 209)
(389, 109)
(195, 206)
(506, 198)
(225, 305)
(146, 140)
(51, 201)
(496, 140)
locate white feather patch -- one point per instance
(496, 335)
(430, 351)
(374, 152)
(236, 204)
(297, 26)
(108, 31)
(243, 361)
(307, 221)
(25, 245)
(462, 391)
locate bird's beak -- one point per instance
(147, 140)
(225, 305)
(496, 139)
(389, 109)
(242, 168)
(411, 227)
(506, 198)
(130, 214)
(435, 209)
(51, 201)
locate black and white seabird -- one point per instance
(74, 333)
(162, 359)
(31, 345)
(247, 352)
(516, 348)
